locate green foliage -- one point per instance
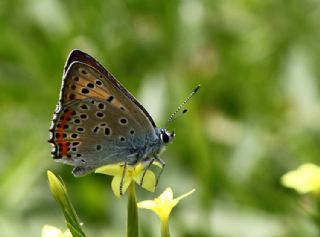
(255, 117)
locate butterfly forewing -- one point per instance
(83, 81)
(79, 56)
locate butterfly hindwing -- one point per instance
(92, 133)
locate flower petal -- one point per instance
(67, 233)
(166, 196)
(157, 163)
(115, 184)
(149, 180)
(185, 195)
(51, 231)
(113, 170)
(148, 204)
(139, 168)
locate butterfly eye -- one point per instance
(165, 138)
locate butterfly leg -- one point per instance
(162, 163)
(122, 177)
(145, 169)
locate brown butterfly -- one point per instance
(98, 122)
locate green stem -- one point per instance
(165, 228)
(132, 221)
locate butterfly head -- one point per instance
(166, 136)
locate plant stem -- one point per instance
(165, 228)
(132, 221)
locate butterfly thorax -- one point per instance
(153, 147)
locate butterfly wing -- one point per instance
(79, 56)
(97, 121)
(90, 133)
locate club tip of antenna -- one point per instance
(196, 89)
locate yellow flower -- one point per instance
(304, 179)
(133, 173)
(51, 231)
(163, 205)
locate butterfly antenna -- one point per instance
(174, 116)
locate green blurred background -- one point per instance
(255, 117)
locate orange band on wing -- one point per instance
(60, 132)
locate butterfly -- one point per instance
(99, 122)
